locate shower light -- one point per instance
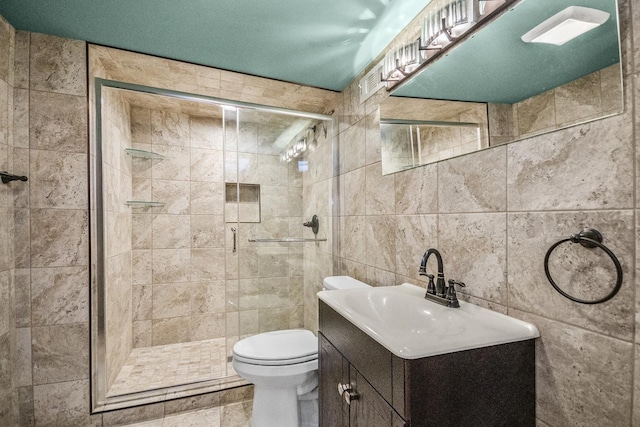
(566, 25)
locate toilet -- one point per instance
(283, 367)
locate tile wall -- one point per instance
(117, 223)
(10, 341)
(493, 215)
(48, 381)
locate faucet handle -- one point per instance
(455, 282)
(431, 286)
(451, 290)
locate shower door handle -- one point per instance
(233, 230)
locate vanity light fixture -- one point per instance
(566, 25)
(445, 22)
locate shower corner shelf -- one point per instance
(144, 204)
(144, 154)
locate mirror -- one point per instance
(493, 88)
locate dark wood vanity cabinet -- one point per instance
(491, 386)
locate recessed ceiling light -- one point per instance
(566, 25)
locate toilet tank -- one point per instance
(342, 282)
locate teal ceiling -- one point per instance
(317, 43)
(497, 66)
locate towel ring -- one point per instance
(589, 238)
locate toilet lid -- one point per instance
(277, 348)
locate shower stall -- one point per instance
(198, 237)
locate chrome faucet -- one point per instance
(439, 291)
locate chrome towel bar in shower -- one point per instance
(287, 240)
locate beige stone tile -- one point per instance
(207, 264)
(23, 376)
(414, 235)
(207, 198)
(21, 118)
(171, 231)
(73, 396)
(6, 62)
(582, 378)
(353, 194)
(236, 414)
(578, 100)
(142, 303)
(168, 128)
(373, 151)
(57, 64)
(354, 244)
(206, 132)
(56, 180)
(380, 237)
(417, 190)
(59, 237)
(611, 87)
(25, 405)
(142, 230)
(536, 114)
(171, 265)
(352, 147)
(171, 300)
(142, 331)
(174, 166)
(21, 61)
(274, 201)
(169, 331)
(473, 183)
(60, 353)
(380, 191)
(572, 168)
(57, 122)
(274, 319)
(140, 119)
(207, 326)
(22, 297)
(474, 251)
(207, 165)
(588, 274)
(174, 194)
(59, 295)
(200, 418)
(138, 414)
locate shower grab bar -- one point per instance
(287, 240)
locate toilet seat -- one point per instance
(277, 348)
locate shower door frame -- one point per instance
(99, 401)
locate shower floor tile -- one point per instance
(168, 365)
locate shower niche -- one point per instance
(180, 185)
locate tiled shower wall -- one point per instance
(494, 214)
(117, 223)
(8, 332)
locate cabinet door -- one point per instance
(333, 370)
(369, 409)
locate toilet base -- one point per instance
(266, 414)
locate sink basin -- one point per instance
(411, 327)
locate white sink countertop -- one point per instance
(409, 326)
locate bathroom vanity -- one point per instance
(363, 383)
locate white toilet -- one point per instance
(283, 367)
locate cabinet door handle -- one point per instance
(347, 392)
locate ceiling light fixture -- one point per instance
(566, 25)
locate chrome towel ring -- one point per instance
(589, 238)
